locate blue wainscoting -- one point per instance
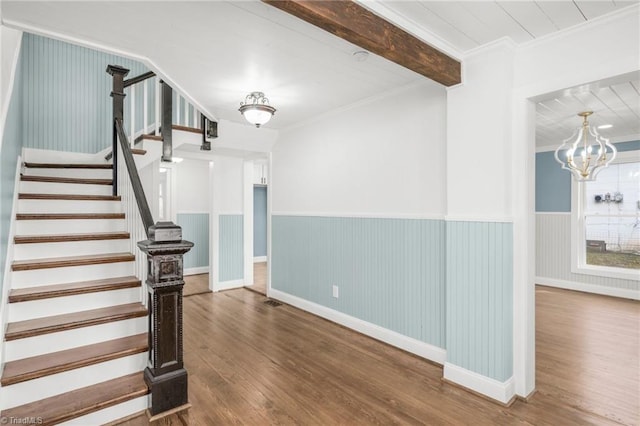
(480, 298)
(231, 247)
(66, 90)
(390, 272)
(12, 140)
(195, 228)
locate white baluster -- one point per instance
(145, 105)
(178, 109)
(186, 112)
(157, 107)
(133, 115)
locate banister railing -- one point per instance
(136, 183)
(138, 79)
(164, 248)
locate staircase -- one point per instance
(76, 343)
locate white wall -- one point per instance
(479, 136)
(10, 41)
(381, 157)
(192, 179)
(228, 176)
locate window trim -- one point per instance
(578, 233)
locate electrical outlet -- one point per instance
(335, 291)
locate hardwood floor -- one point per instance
(259, 278)
(256, 364)
(196, 284)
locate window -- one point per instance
(606, 221)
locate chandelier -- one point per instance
(256, 109)
(585, 152)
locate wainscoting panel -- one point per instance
(66, 90)
(195, 228)
(479, 264)
(553, 255)
(231, 247)
(389, 272)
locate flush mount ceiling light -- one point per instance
(256, 109)
(585, 153)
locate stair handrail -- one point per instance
(136, 183)
(140, 78)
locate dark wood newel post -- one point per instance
(166, 121)
(117, 93)
(165, 374)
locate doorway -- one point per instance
(260, 238)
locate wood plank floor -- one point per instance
(255, 364)
(259, 278)
(195, 284)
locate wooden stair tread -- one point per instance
(61, 262)
(56, 216)
(138, 151)
(61, 238)
(70, 289)
(55, 179)
(187, 129)
(56, 362)
(75, 197)
(56, 323)
(80, 402)
(67, 166)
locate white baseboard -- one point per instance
(500, 391)
(228, 285)
(590, 288)
(409, 344)
(259, 259)
(196, 271)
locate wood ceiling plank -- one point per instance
(352, 22)
(462, 20)
(498, 19)
(562, 14)
(530, 17)
(592, 9)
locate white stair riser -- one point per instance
(71, 248)
(68, 226)
(53, 342)
(32, 155)
(64, 188)
(73, 173)
(68, 206)
(37, 277)
(64, 305)
(55, 384)
(111, 414)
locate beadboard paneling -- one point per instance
(195, 228)
(231, 247)
(66, 90)
(553, 254)
(479, 303)
(390, 272)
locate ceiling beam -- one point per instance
(356, 24)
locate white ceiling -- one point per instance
(613, 103)
(219, 51)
